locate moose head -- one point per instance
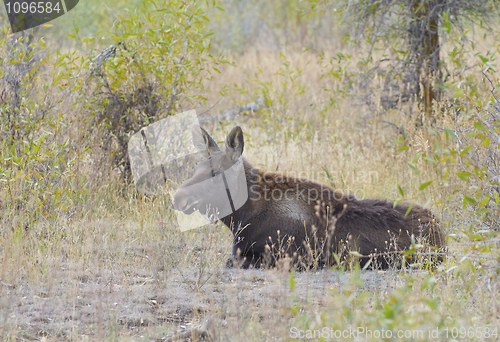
(218, 186)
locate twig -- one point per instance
(209, 109)
(493, 87)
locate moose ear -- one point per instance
(203, 142)
(234, 144)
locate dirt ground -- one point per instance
(114, 304)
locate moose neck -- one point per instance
(242, 215)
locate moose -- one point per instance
(306, 222)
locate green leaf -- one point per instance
(470, 200)
(292, 280)
(464, 175)
(424, 185)
(403, 148)
(479, 125)
(417, 157)
(447, 26)
(367, 265)
(458, 93)
(336, 257)
(401, 191)
(485, 201)
(450, 135)
(486, 142)
(450, 159)
(415, 170)
(429, 159)
(409, 252)
(409, 209)
(482, 211)
(464, 151)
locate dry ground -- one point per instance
(116, 302)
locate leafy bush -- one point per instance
(54, 106)
(157, 66)
(37, 168)
(463, 151)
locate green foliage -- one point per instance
(403, 42)
(158, 65)
(464, 155)
(37, 168)
(54, 105)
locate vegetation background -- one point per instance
(84, 256)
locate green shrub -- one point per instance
(158, 65)
(37, 165)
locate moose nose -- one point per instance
(183, 202)
(176, 202)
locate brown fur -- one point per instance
(294, 217)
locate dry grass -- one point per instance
(122, 270)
